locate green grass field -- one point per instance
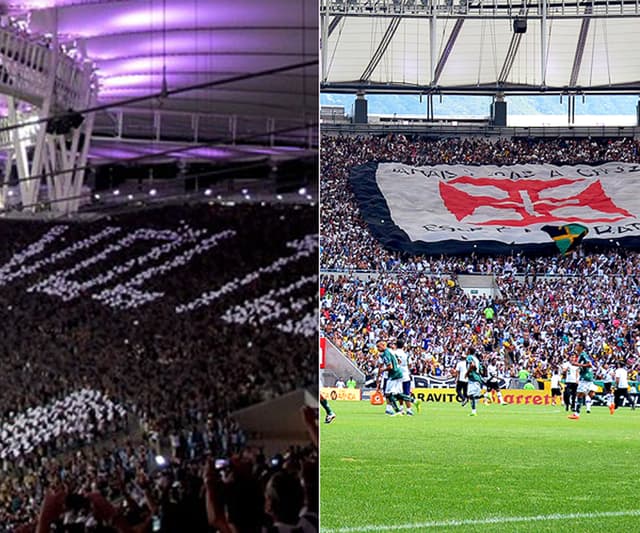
(512, 468)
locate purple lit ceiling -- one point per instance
(194, 41)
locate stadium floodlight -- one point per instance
(309, 197)
(207, 192)
(219, 197)
(247, 197)
(96, 196)
(302, 191)
(244, 191)
(153, 192)
(279, 196)
(130, 197)
(160, 460)
(116, 192)
(10, 193)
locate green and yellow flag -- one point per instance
(568, 237)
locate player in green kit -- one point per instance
(393, 388)
(585, 379)
(474, 378)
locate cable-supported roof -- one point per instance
(254, 64)
(479, 46)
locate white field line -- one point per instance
(482, 521)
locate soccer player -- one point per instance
(474, 378)
(393, 388)
(585, 381)
(331, 416)
(403, 362)
(460, 372)
(555, 385)
(607, 386)
(570, 371)
(622, 386)
(492, 383)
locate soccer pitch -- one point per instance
(511, 468)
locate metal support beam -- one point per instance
(447, 50)
(382, 48)
(571, 109)
(432, 42)
(195, 126)
(324, 42)
(509, 59)
(334, 23)
(543, 44)
(78, 179)
(577, 58)
(156, 124)
(233, 128)
(120, 116)
(271, 126)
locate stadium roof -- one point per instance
(472, 46)
(143, 48)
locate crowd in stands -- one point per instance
(545, 304)
(140, 381)
(534, 324)
(345, 242)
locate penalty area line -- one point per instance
(481, 521)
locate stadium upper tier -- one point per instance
(201, 307)
(346, 242)
(162, 320)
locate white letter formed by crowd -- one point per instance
(175, 249)
(126, 294)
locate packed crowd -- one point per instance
(345, 242)
(125, 486)
(533, 323)
(545, 304)
(162, 379)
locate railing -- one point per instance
(24, 72)
(455, 130)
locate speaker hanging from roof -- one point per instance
(519, 25)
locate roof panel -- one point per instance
(479, 53)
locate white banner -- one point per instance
(510, 204)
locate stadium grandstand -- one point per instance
(159, 260)
(514, 245)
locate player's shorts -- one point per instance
(406, 388)
(606, 388)
(571, 387)
(555, 392)
(584, 387)
(474, 389)
(493, 385)
(393, 386)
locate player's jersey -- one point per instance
(389, 359)
(461, 370)
(608, 376)
(555, 381)
(586, 373)
(572, 372)
(623, 380)
(403, 363)
(385, 374)
(492, 373)
(474, 375)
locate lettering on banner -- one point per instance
(341, 394)
(510, 396)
